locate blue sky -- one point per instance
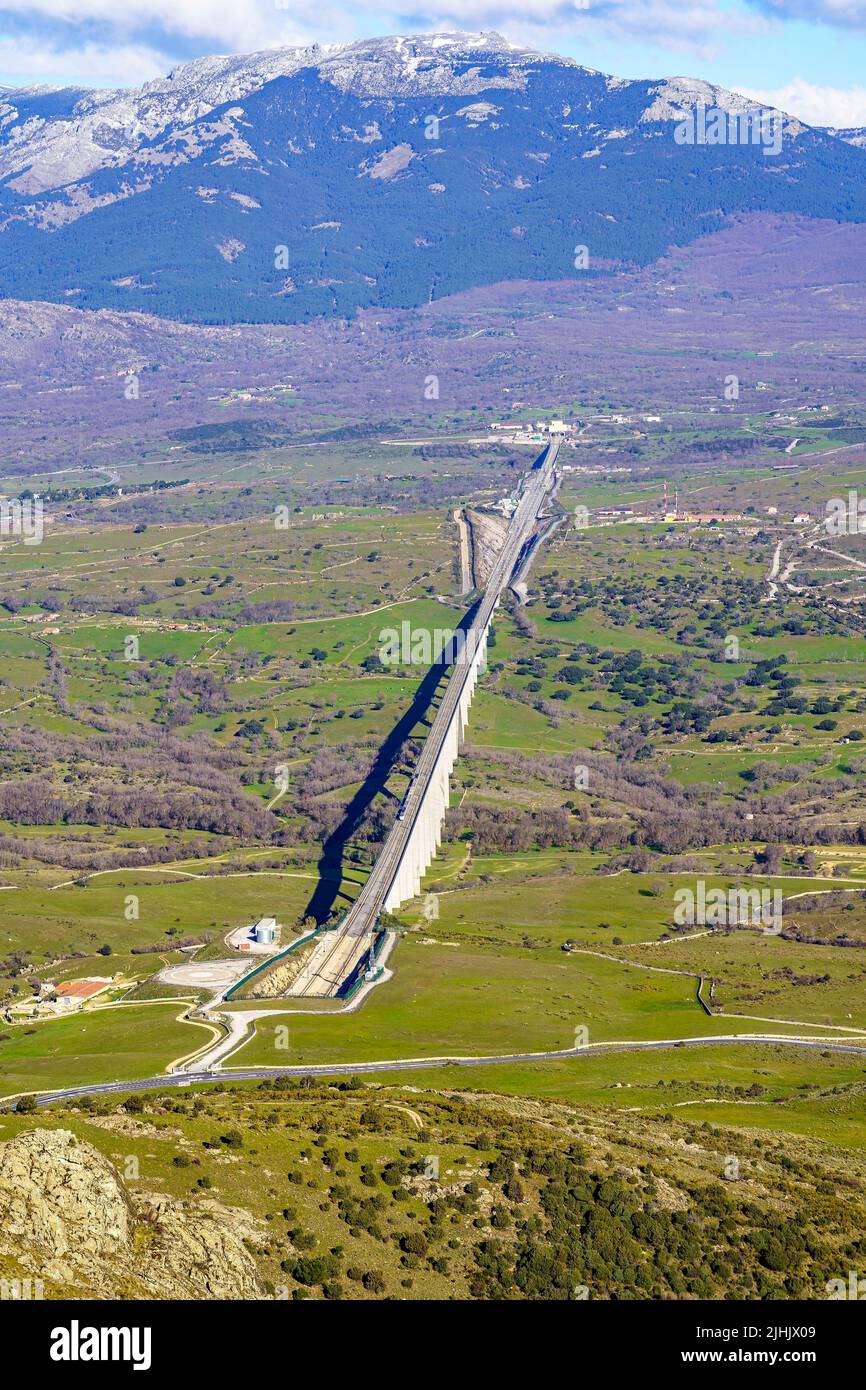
(804, 55)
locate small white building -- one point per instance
(265, 930)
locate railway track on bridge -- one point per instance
(342, 959)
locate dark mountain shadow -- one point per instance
(331, 865)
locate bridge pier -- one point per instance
(414, 838)
(425, 836)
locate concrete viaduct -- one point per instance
(416, 834)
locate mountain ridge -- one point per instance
(408, 65)
(384, 172)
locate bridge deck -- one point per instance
(339, 957)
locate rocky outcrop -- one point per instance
(68, 1219)
(199, 1250)
(274, 982)
(487, 532)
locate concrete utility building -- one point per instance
(265, 930)
(257, 938)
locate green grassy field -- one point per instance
(810, 1093)
(112, 1045)
(492, 1002)
(254, 653)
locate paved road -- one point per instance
(153, 1083)
(337, 957)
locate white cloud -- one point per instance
(698, 27)
(55, 41)
(29, 63)
(101, 42)
(835, 106)
(244, 27)
(849, 14)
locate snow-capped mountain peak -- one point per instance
(99, 129)
(318, 179)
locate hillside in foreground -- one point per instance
(297, 1191)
